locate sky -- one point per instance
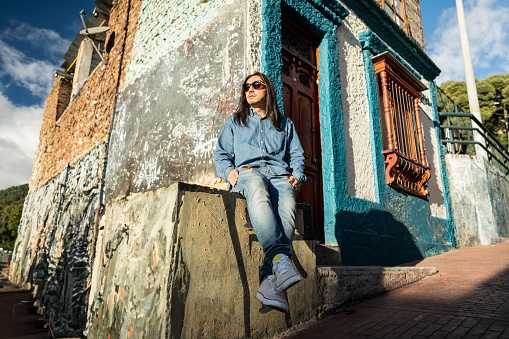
(34, 35)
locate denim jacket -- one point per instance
(259, 144)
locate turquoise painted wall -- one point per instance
(398, 227)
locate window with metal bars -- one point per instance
(399, 90)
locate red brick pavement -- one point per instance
(468, 298)
(18, 317)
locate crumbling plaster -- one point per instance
(167, 121)
(68, 135)
(164, 26)
(55, 238)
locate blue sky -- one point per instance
(34, 35)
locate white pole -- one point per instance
(473, 101)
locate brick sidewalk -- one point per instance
(18, 317)
(468, 298)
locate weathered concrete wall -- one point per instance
(183, 262)
(480, 198)
(53, 251)
(165, 25)
(254, 36)
(499, 192)
(167, 121)
(359, 160)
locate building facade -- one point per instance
(118, 134)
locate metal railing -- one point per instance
(458, 133)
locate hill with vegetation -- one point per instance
(492, 118)
(11, 207)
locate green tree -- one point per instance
(13, 224)
(498, 81)
(486, 89)
(11, 207)
(457, 91)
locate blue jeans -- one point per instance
(272, 209)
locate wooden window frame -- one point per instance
(395, 15)
(399, 90)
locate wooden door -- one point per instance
(300, 75)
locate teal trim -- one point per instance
(317, 16)
(332, 135)
(319, 12)
(272, 62)
(371, 42)
(389, 31)
(321, 20)
(453, 236)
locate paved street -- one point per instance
(468, 298)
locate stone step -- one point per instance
(339, 285)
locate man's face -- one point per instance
(256, 97)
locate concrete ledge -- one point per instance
(183, 262)
(341, 284)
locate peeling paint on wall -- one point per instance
(164, 26)
(56, 235)
(473, 183)
(254, 36)
(167, 121)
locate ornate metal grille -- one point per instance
(405, 124)
(405, 159)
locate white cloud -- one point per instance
(488, 33)
(46, 40)
(21, 70)
(28, 57)
(19, 137)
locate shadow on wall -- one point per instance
(435, 193)
(221, 220)
(230, 206)
(374, 238)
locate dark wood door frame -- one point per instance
(300, 97)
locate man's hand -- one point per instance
(233, 176)
(295, 183)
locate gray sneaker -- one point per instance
(268, 295)
(284, 272)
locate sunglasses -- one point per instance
(256, 85)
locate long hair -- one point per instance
(272, 109)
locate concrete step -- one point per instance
(339, 285)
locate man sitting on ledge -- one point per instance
(259, 154)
